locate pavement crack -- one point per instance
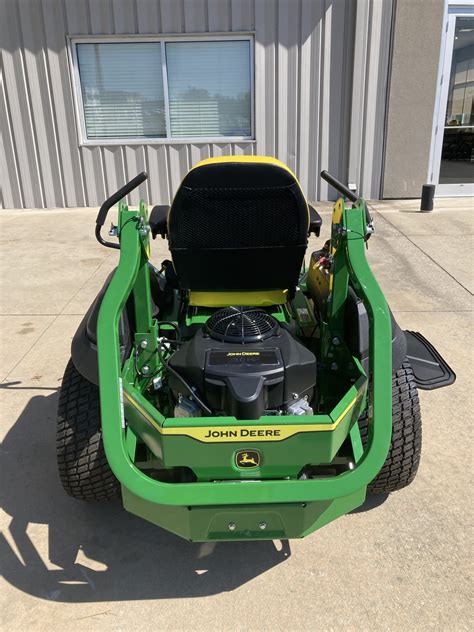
(56, 316)
(107, 257)
(421, 250)
(31, 347)
(96, 614)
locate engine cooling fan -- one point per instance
(241, 324)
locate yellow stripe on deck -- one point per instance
(228, 434)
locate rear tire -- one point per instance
(403, 457)
(83, 467)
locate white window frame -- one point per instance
(452, 10)
(72, 42)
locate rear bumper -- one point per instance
(243, 522)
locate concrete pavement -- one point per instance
(401, 563)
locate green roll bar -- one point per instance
(349, 260)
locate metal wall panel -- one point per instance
(321, 71)
(369, 90)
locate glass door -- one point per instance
(454, 145)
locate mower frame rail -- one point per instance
(132, 275)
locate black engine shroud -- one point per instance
(246, 380)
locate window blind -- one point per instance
(122, 90)
(209, 88)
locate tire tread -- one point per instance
(83, 467)
(403, 458)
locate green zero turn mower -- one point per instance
(234, 393)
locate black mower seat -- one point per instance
(239, 224)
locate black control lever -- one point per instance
(339, 186)
(111, 201)
(353, 198)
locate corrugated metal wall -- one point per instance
(320, 82)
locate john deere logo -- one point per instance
(246, 459)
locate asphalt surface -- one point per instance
(398, 563)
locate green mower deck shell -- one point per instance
(203, 510)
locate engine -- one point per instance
(245, 364)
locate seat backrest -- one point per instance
(238, 223)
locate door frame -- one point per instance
(453, 9)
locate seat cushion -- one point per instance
(238, 223)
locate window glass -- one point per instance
(457, 159)
(209, 88)
(122, 90)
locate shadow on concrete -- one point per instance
(371, 502)
(13, 386)
(100, 552)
